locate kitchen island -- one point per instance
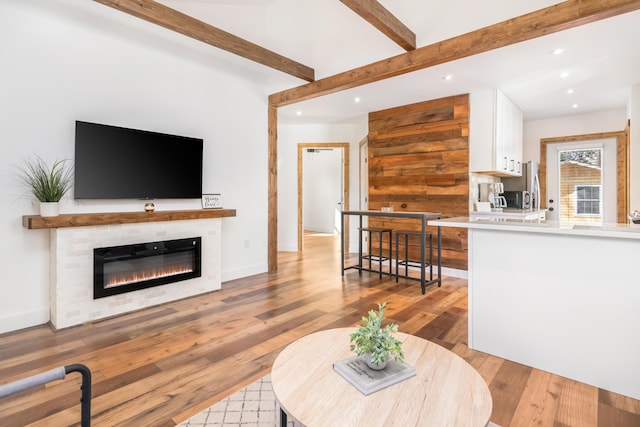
(558, 297)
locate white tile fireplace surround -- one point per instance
(71, 280)
(74, 237)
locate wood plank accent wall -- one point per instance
(419, 161)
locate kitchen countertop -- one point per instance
(623, 231)
(511, 213)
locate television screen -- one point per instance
(120, 163)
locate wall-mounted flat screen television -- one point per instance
(120, 163)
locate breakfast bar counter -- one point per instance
(559, 297)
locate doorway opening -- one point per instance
(581, 182)
(616, 162)
(325, 182)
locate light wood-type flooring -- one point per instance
(159, 366)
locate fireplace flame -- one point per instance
(141, 276)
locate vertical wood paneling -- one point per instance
(419, 161)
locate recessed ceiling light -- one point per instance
(298, 113)
(574, 106)
(448, 77)
(569, 91)
(557, 51)
(565, 74)
(356, 99)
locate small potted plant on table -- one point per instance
(47, 183)
(375, 342)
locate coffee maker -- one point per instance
(492, 193)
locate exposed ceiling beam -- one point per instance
(562, 16)
(171, 19)
(378, 16)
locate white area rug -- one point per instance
(253, 406)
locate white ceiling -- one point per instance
(602, 58)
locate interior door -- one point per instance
(323, 189)
(581, 181)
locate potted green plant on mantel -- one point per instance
(376, 343)
(47, 183)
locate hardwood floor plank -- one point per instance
(507, 388)
(619, 401)
(539, 402)
(611, 416)
(161, 365)
(577, 404)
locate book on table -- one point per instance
(367, 380)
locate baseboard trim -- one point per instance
(23, 320)
(243, 272)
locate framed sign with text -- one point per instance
(211, 201)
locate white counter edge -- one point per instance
(620, 231)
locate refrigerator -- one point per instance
(529, 181)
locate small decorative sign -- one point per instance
(211, 201)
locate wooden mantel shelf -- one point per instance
(36, 222)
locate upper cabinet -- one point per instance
(495, 141)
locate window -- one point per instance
(588, 199)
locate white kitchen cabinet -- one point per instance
(495, 141)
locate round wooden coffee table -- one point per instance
(446, 390)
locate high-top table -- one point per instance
(421, 216)
(446, 390)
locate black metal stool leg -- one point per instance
(397, 258)
(430, 257)
(380, 254)
(390, 253)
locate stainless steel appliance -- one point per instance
(529, 181)
(518, 199)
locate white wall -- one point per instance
(579, 124)
(288, 138)
(634, 115)
(67, 60)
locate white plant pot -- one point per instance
(49, 208)
(374, 366)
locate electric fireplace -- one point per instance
(120, 269)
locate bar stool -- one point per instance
(379, 232)
(403, 234)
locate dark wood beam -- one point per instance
(171, 19)
(562, 16)
(378, 16)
